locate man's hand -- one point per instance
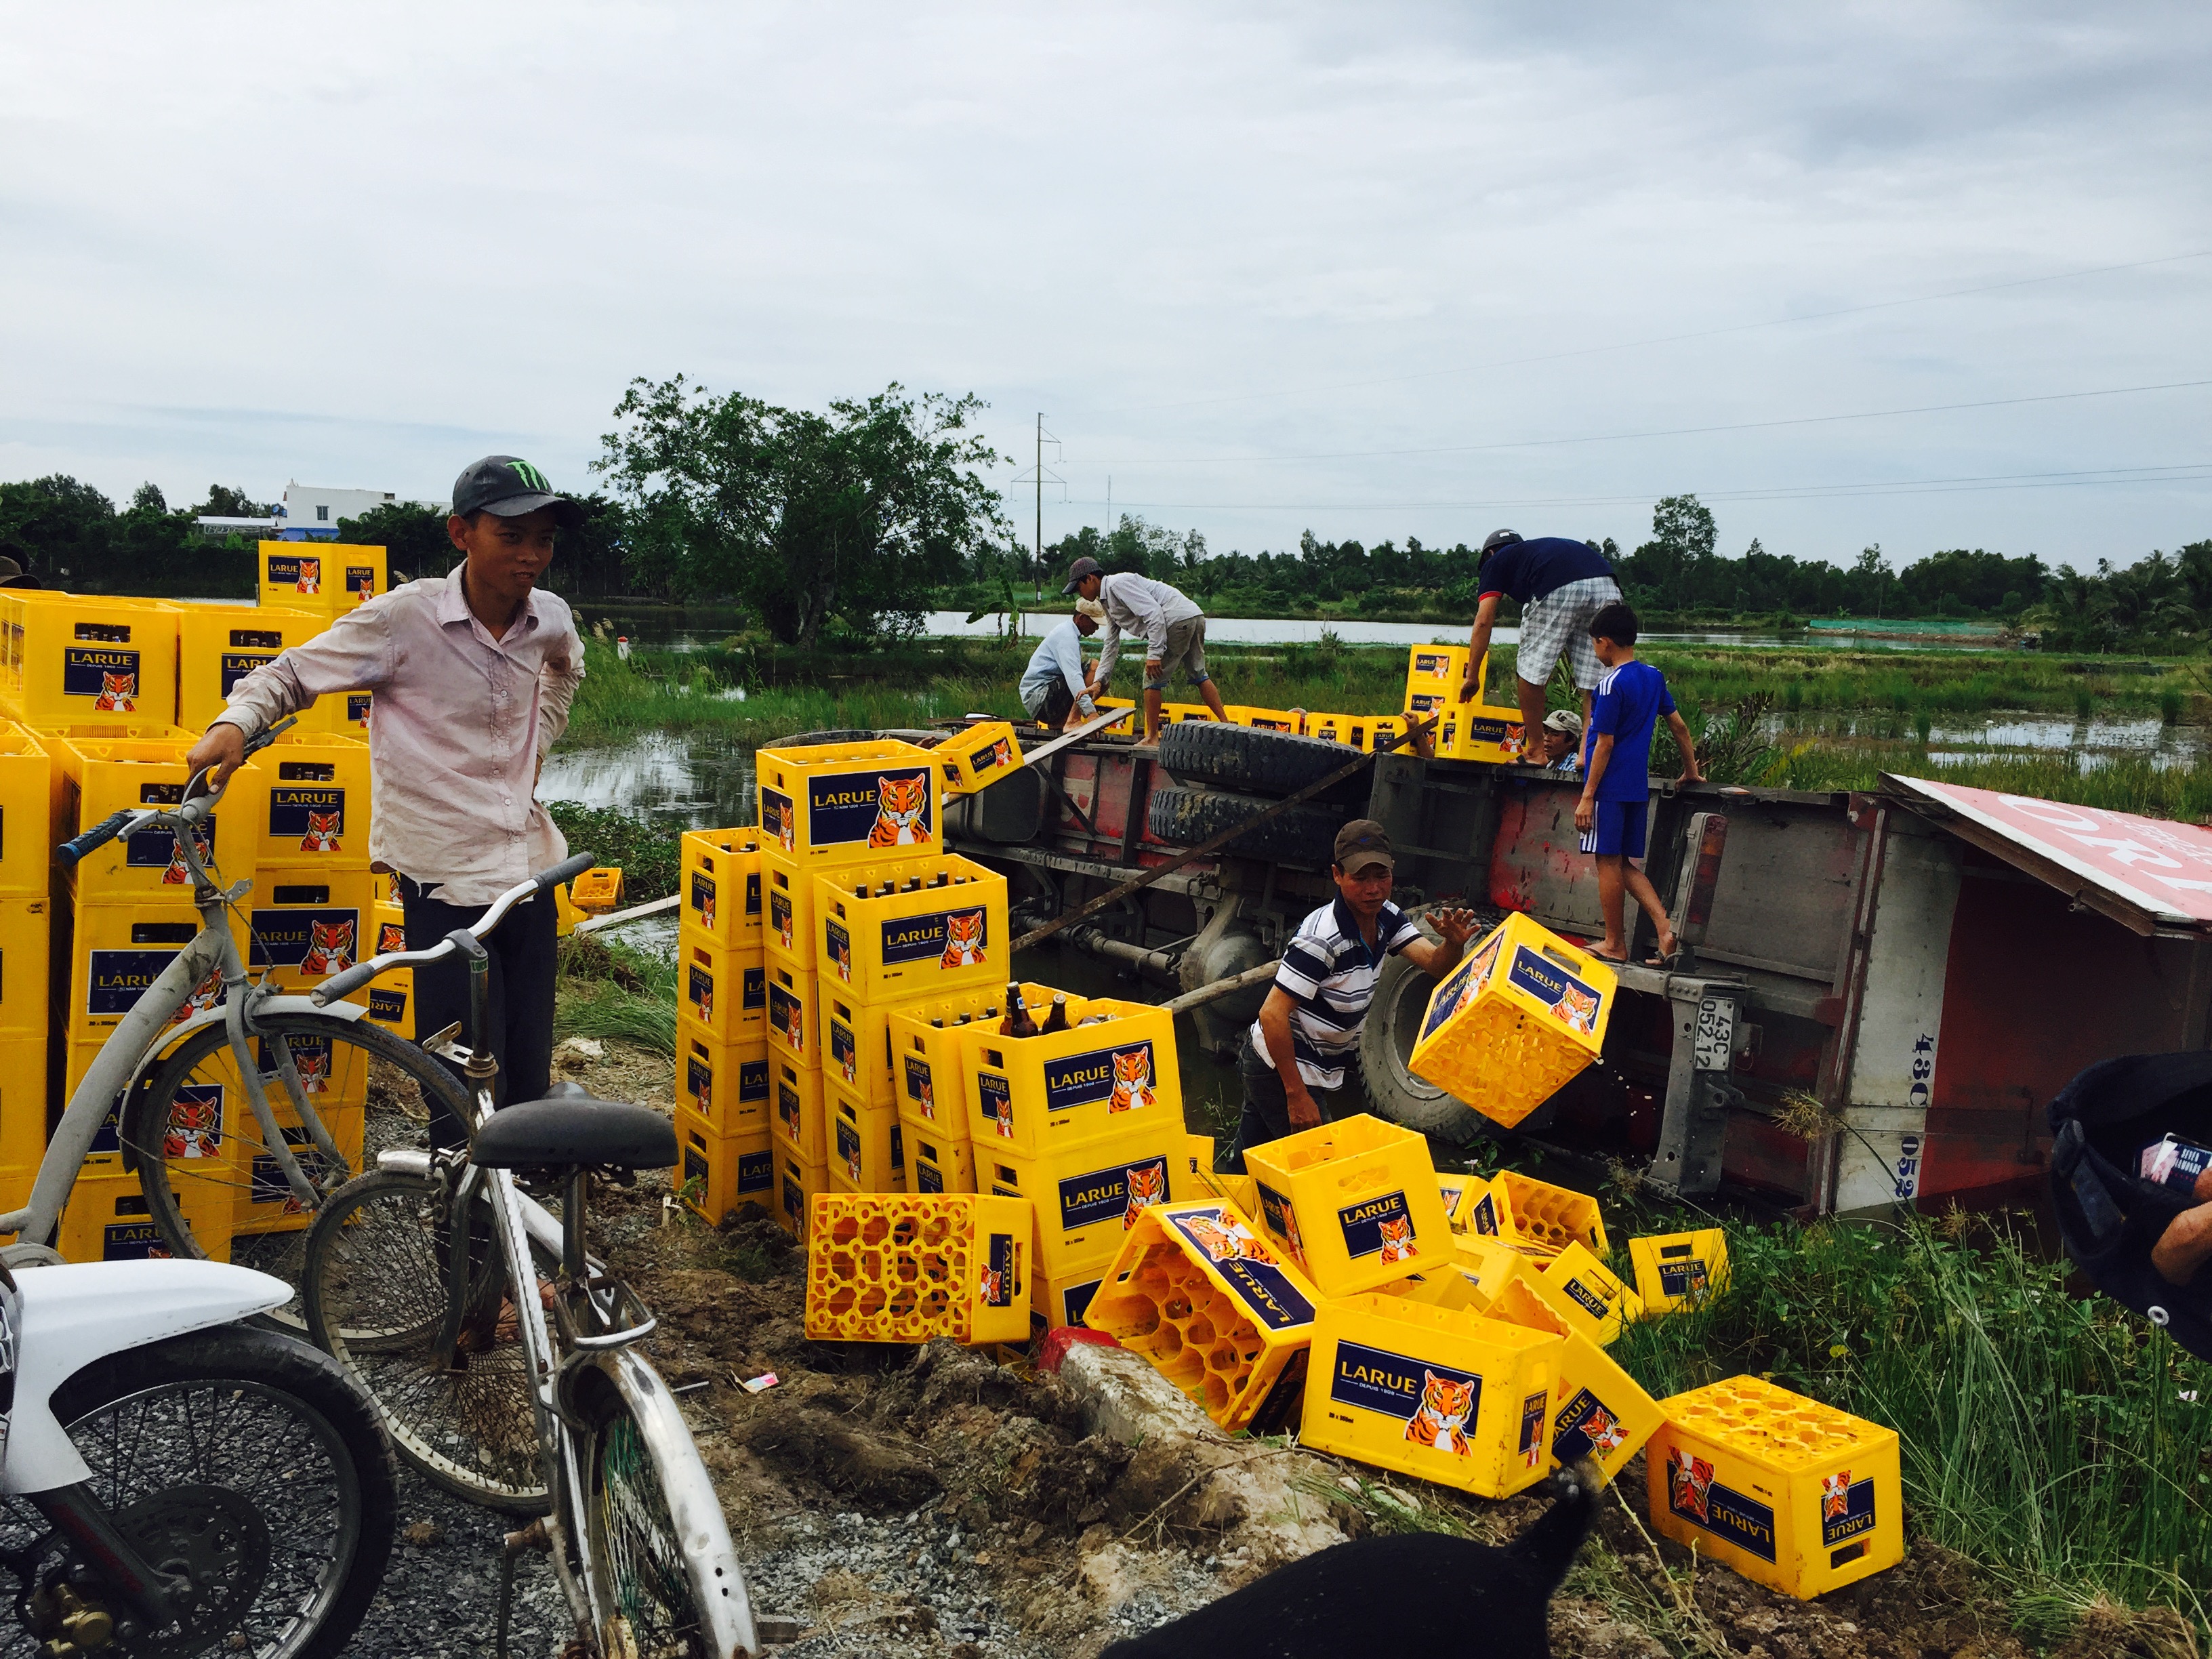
(1471, 680)
(1153, 669)
(223, 748)
(1690, 773)
(1304, 1112)
(1456, 926)
(1585, 814)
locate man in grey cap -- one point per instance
(1300, 1060)
(1055, 688)
(1563, 742)
(473, 673)
(1171, 626)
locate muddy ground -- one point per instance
(934, 1501)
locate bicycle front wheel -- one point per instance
(212, 1183)
(665, 1578)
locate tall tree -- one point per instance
(854, 514)
(413, 538)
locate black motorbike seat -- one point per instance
(575, 1133)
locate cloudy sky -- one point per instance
(1924, 275)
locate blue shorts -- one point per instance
(1618, 830)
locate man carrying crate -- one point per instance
(1299, 1062)
(473, 673)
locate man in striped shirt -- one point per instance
(1300, 1061)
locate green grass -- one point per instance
(606, 989)
(648, 854)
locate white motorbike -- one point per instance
(174, 1482)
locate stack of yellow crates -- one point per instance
(722, 1082)
(26, 915)
(323, 581)
(1465, 731)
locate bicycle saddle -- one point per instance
(574, 1131)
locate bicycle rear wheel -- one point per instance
(374, 1272)
(660, 1551)
(212, 1184)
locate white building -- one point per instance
(310, 511)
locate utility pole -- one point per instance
(1040, 478)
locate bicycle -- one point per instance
(201, 1033)
(451, 1339)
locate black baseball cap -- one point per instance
(1085, 566)
(508, 487)
(1361, 843)
(1497, 539)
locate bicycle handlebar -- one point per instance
(201, 794)
(98, 836)
(338, 987)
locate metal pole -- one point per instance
(1040, 499)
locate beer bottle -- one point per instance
(1056, 1020)
(1019, 1022)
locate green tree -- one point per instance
(56, 524)
(413, 538)
(224, 502)
(853, 514)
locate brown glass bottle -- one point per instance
(1019, 1022)
(1055, 1019)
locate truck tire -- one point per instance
(1304, 833)
(1255, 760)
(1394, 1020)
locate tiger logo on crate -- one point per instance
(1603, 1431)
(841, 956)
(1440, 1421)
(204, 996)
(1689, 1485)
(963, 940)
(1226, 1240)
(1148, 1185)
(706, 908)
(310, 578)
(1133, 1080)
(391, 936)
(323, 831)
(1398, 1239)
(925, 1096)
(194, 1128)
(178, 871)
(1578, 1009)
(794, 1026)
(901, 804)
(314, 1071)
(1836, 1495)
(330, 951)
(991, 1288)
(118, 693)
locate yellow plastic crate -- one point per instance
(100, 777)
(345, 714)
(309, 923)
(715, 1173)
(1792, 1494)
(1436, 671)
(1431, 1392)
(1062, 1301)
(1597, 1303)
(308, 803)
(1089, 1083)
(71, 657)
(798, 1182)
(28, 812)
(800, 1108)
(1384, 732)
(790, 931)
(902, 1269)
(1087, 1196)
(1219, 1314)
(936, 1162)
(1267, 719)
(1598, 1411)
(23, 1085)
(1513, 1023)
(1473, 730)
(1680, 1270)
(941, 926)
(1351, 730)
(116, 950)
(262, 1200)
(726, 1084)
(725, 988)
(26, 953)
(106, 1218)
(328, 576)
(849, 803)
(794, 1014)
(1544, 1220)
(866, 1148)
(722, 886)
(856, 1050)
(599, 891)
(979, 756)
(219, 645)
(392, 1003)
(1354, 1203)
(929, 1076)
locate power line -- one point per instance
(1659, 339)
(1626, 437)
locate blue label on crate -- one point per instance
(844, 1050)
(756, 1172)
(997, 1289)
(755, 993)
(237, 664)
(311, 1058)
(837, 946)
(995, 1096)
(703, 899)
(779, 918)
(1483, 1219)
(1280, 1218)
(1432, 664)
(921, 1087)
(1377, 1226)
(1122, 1077)
(1531, 1446)
(752, 894)
(779, 824)
(267, 1182)
(1694, 1495)
(695, 1168)
(1495, 734)
(699, 1081)
(387, 1005)
(361, 580)
(314, 942)
(1120, 1191)
(927, 1178)
(157, 849)
(1075, 1300)
(132, 1241)
(1449, 998)
(790, 1109)
(299, 573)
(876, 807)
(312, 816)
(794, 1199)
(1572, 1003)
(752, 1080)
(699, 991)
(1590, 1300)
(357, 707)
(1239, 1257)
(787, 1017)
(1846, 1507)
(1586, 1427)
(898, 1147)
(1442, 1399)
(108, 677)
(116, 979)
(952, 938)
(849, 1149)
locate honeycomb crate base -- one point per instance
(1515, 1021)
(716, 1173)
(1792, 1494)
(1217, 1313)
(883, 1268)
(1353, 1204)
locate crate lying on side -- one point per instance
(1514, 1022)
(1354, 1203)
(1217, 1311)
(1598, 1410)
(1680, 1270)
(979, 756)
(1598, 1302)
(892, 1268)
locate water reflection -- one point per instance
(687, 779)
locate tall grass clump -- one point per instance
(606, 989)
(2061, 1443)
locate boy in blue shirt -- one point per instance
(1629, 698)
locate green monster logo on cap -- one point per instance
(531, 477)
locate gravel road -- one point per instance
(441, 1596)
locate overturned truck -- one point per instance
(1928, 963)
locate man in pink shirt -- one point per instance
(473, 673)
